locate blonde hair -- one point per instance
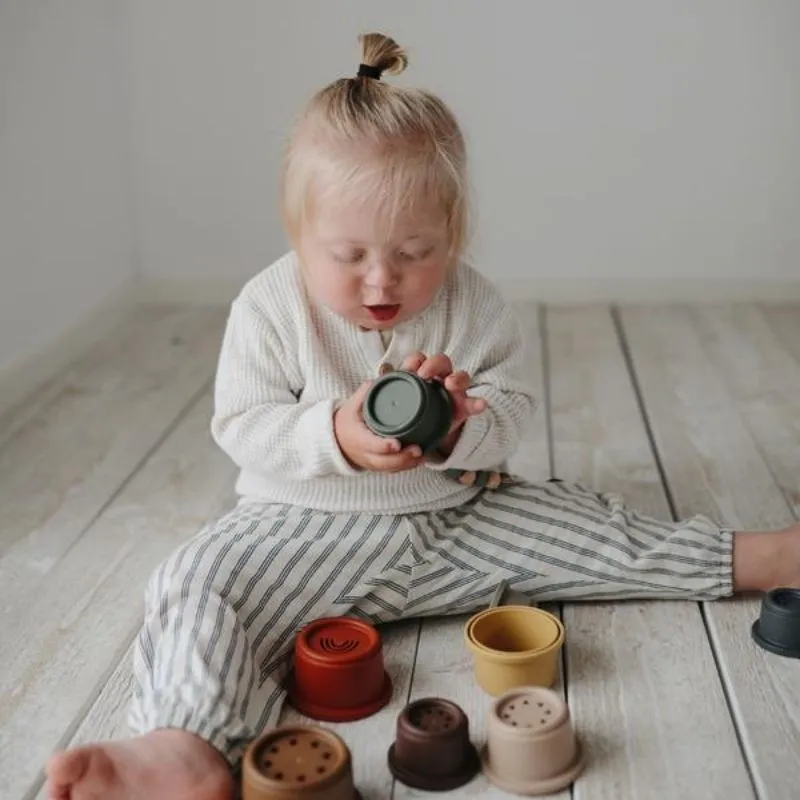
(364, 140)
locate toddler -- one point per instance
(334, 520)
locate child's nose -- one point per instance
(380, 273)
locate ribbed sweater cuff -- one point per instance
(468, 446)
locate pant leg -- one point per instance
(222, 611)
(560, 542)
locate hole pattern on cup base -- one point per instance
(297, 760)
(523, 712)
(432, 718)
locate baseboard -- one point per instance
(18, 383)
(555, 291)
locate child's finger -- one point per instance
(405, 459)
(360, 395)
(458, 381)
(475, 405)
(438, 366)
(372, 443)
(413, 362)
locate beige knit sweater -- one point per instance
(286, 363)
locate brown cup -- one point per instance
(298, 762)
(514, 646)
(432, 750)
(531, 747)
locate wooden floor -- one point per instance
(679, 409)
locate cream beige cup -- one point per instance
(514, 646)
(531, 745)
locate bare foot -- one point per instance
(168, 764)
(765, 560)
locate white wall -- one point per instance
(66, 242)
(619, 140)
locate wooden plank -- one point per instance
(58, 649)
(648, 701)
(369, 739)
(443, 666)
(63, 465)
(751, 347)
(719, 465)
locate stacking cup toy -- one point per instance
(338, 672)
(777, 630)
(514, 646)
(403, 406)
(298, 762)
(531, 747)
(432, 750)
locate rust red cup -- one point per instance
(432, 750)
(338, 672)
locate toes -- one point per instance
(66, 769)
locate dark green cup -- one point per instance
(403, 406)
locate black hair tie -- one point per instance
(367, 71)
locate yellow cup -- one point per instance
(514, 646)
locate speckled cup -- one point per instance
(298, 762)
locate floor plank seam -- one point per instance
(544, 346)
(648, 425)
(544, 351)
(410, 689)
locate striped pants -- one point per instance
(222, 611)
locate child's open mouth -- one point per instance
(383, 313)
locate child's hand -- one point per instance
(365, 449)
(441, 368)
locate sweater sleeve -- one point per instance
(259, 420)
(495, 355)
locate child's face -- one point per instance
(373, 277)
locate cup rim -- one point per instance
(522, 655)
(537, 787)
(328, 713)
(771, 605)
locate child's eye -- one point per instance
(353, 257)
(415, 256)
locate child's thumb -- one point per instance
(361, 394)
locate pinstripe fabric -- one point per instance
(222, 611)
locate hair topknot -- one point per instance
(383, 53)
(361, 140)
